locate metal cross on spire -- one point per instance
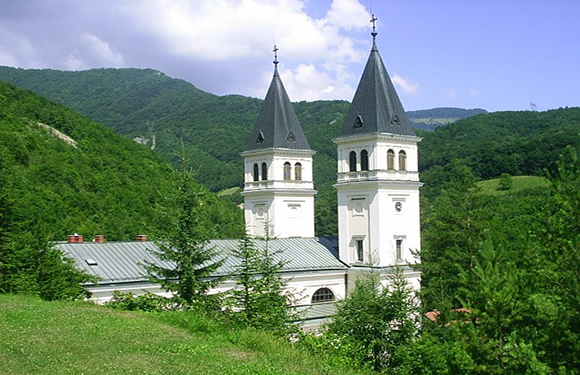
(275, 50)
(374, 20)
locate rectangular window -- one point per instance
(360, 250)
(399, 250)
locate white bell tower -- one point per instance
(378, 179)
(278, 183)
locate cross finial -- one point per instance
(374, 20)
(275, 50)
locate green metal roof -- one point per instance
(118, 262)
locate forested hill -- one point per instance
(518, 143)
(147, 104)
(63, 173)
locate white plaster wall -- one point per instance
(289, 203)
(293, 215)
(388, 224)
(301, 284)
(289, 214)
(383, 188)
(256, 223)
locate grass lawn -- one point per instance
(39, 337)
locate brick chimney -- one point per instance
(75, 238)
(99, 238)
(142, 237)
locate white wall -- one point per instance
(390, 200)
(302, 284)
(286, 206)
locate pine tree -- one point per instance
(260, 295)
(185, 244)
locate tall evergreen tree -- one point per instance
(185, 243)
(261, 295)
(451, 234)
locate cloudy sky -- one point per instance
(492, 54)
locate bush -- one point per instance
(505, 182)
(144, 302)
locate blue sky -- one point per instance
(496, 55)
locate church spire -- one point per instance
(277, 125)
(376, 107)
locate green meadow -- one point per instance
(39, 337)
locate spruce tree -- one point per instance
(260, 295)
(185, 243)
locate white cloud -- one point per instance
(16, 50)
(221, 46)
(6, 58)
(307, 82)
(404, 84)
(347, 14)
(74, 63)
(449, 93)
(472, 92)
(103, 51)
(220, 30)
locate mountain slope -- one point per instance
(430, 119)
(213, 130)
(66, 173)
(151, 107)
(518, 143)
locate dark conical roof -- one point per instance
(277, 125)
(376, 108)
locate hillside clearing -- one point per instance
(490, 187)
(38, 337)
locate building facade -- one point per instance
(278, 179)
(378, 178)
(378, 202)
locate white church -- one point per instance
(378, 203)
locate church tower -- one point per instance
(278, 184)
(378, 178)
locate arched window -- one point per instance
(256, 172)
(364, 160)
(264, 171)
(402, 161)
(323, 295)
(352, 161)
(390, 160)
(287, 171)
(298, 171)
